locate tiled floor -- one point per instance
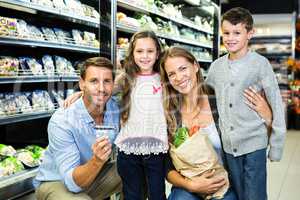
(283, 176)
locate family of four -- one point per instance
(238, 106)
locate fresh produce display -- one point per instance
(9, 166)
(27, 158)
(7, 150)
(13, 161)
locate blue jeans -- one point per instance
(248, 175)
(182, 194)
(136, 170)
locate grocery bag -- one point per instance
(195, 156)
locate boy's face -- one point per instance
(236, 37)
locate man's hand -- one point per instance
(102, 149)
(206, 183)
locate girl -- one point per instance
(189, 102)
(142, 141)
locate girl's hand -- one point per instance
(258, 103)
(72, 98)
(206, 183)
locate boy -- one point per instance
(244, 133)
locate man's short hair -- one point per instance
(239, 15)
(96, 62)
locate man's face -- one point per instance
(97, 86)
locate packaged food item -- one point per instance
(8, 26)
(59, 4)
(22, 103)
(41, 101)
(10, 166)
(9, 66)
(77, 36)
(22, 30)
(10, 105)
(27, 158)
(62, 36)
(47, 3)
(38, 152)
(75, 6)
(2, 110)
(59, 97)
(90, 11)
(7, 150)
(35, 33)
(48, 65)
(35, 67)
(90, 39)
(49, 34)
(63, 66)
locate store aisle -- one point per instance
(283, 176)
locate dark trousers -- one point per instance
(248, 175)
(136, 170)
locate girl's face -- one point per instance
(181, 74)
(145, 54)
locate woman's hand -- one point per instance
(206, 183)
(72, 98)
(258, 103)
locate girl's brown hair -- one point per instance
(172, 98)
(131, 71)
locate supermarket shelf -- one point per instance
(37, 79)
(11, 40)
(17, 184)
(276, 55)
(282, 39)
(186, 22)
(24, 117)
(20, 176)
(28, 79)
(63, 13)
(128, 29)
(204, 60)
(69, 78)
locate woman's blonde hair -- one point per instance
(172, 98)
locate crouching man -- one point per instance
(76, 163)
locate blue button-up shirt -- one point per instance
(71, 134)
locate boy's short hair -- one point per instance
(96, 62)
(239, 15)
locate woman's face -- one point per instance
(181, 74)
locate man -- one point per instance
(75, 164)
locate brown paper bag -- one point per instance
(196, 156)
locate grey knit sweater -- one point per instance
(243, 131)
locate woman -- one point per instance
(188, 101)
